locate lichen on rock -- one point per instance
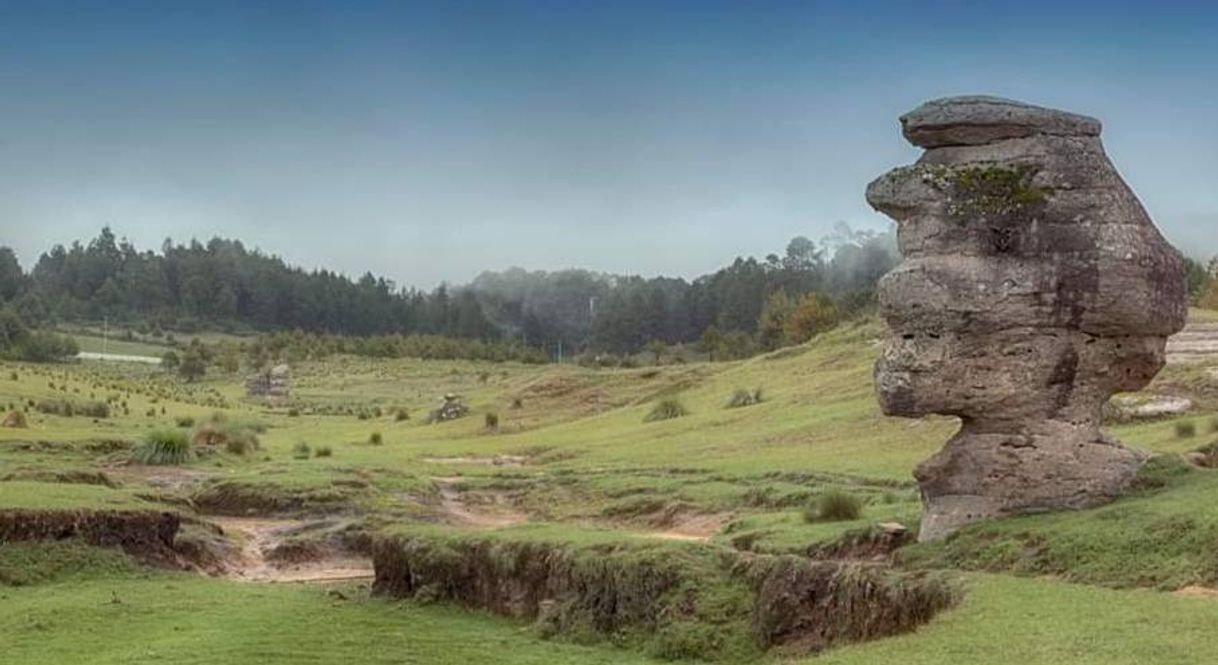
(1034, 286)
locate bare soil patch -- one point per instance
(1197, 592)
(497, 460)
(480, 509)
(259, 538)
(689, 527)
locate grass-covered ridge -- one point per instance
(589, 485)
(671, 599)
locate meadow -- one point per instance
(570, 464)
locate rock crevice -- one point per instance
(1034, 287)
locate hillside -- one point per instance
(572, 464)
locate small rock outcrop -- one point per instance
(1034, 286)
(451, 409)
(274, 382)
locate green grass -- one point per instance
(122, 347)
(186, 619)
(593, 472)
(165, 446)
(67, 496)
(1012, 621)
(1163, 538)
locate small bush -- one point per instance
(666, 409)
(241, 442)
(834, 506)
(1186, 429)
(743, 397)
(492, 421)
(376, 439)
(185, 421)
(301, 450)
(237, 437)
(164, 447)
(16, 419)
(293, 413)
(400, 415)
(56, 407)
(323, 451)
(517, 403)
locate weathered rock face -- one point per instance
(1034, 286)
(275, 382)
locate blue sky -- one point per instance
(428, 141)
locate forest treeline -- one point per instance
(751, 305)
(223, 285)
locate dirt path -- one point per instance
(490, 512)
(694, 528)
(258, 536)
(171, 478)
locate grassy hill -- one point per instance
(574, 454)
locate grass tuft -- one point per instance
(666, 409)
(165, 447)
(742, 397)
(834, 506)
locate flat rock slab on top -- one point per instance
(981, 119)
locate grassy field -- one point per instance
(573, 454)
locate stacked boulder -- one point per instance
(275, 382)
(451, 409)
(1034, 286)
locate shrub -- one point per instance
(492, 421)
(376, 439)
(16, 419)
(834, 506)
(666, 409)
(237, 437)
(164, 447)
(517, 403)
(400, 415)
(743, 397)
(323, 451)
(94, 409)
(57, 407)
(1186, 429)
(241, 442)
(293, 413)
(44, 347)
(301, 450)
(185, 421)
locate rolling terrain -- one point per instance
(283, 508)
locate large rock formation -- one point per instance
(1034, 286)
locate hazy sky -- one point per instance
(427, 141)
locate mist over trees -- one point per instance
(750, 304)
(620, 314)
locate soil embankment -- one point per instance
(146, 535)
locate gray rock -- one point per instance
(1034, 286)
(982, 119)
